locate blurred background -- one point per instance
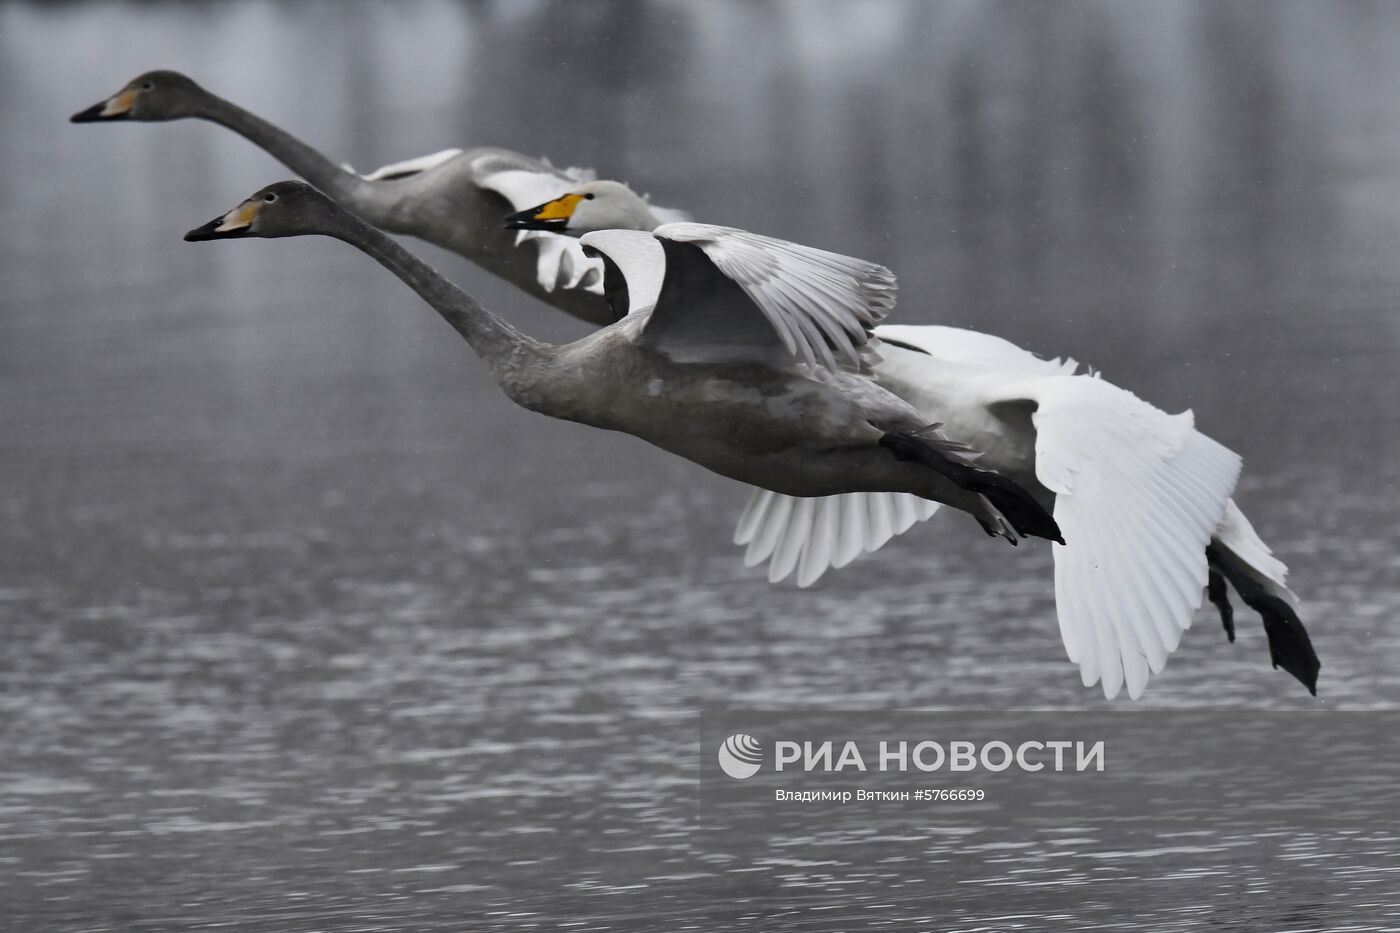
(304, 623)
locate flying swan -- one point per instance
(454, 198)
(742, 353)
(1142, 496)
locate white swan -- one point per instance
(454, 198)
(741, 353)
(1142, 497)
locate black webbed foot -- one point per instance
(1290, 648)
(1219, 596)
(950, 459)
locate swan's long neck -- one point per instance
(516, 362)
(345, 186)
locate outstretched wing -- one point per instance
(810, 535)
(1138, 495)
(729, 293)
(973, 347)
(411, 167)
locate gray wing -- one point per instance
(702, 314)
(689, 310)
(729, 294)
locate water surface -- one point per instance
(307, 628)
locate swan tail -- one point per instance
(954, 461)
(1237, 534)
(1239, 556)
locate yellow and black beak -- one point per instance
(237, 222)
(551, 215)
(113, 108)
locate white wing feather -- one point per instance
(971, 347)
(816, 301)
(810, 535)
(412, 166)
(1236, 533)
(639, 258)
(1138, 495)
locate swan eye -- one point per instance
(589, 196)
(270, 197)
(148, 86)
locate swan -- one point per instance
(1143, 497)
(453, 199)
(741, 353)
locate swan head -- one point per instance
(288, 208)
(153, 96)
(595, 205)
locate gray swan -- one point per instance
(1144, 497)
(454, 198)
(747, 356)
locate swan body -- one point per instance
(1143, 498)
(746, 357)
(454, 198)
(766, 426)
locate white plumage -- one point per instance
(412, 166)
(1138, 498)
(839, 530)
(1138, 494)
(820, 304)
(639, 258)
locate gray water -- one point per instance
(306, 628)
